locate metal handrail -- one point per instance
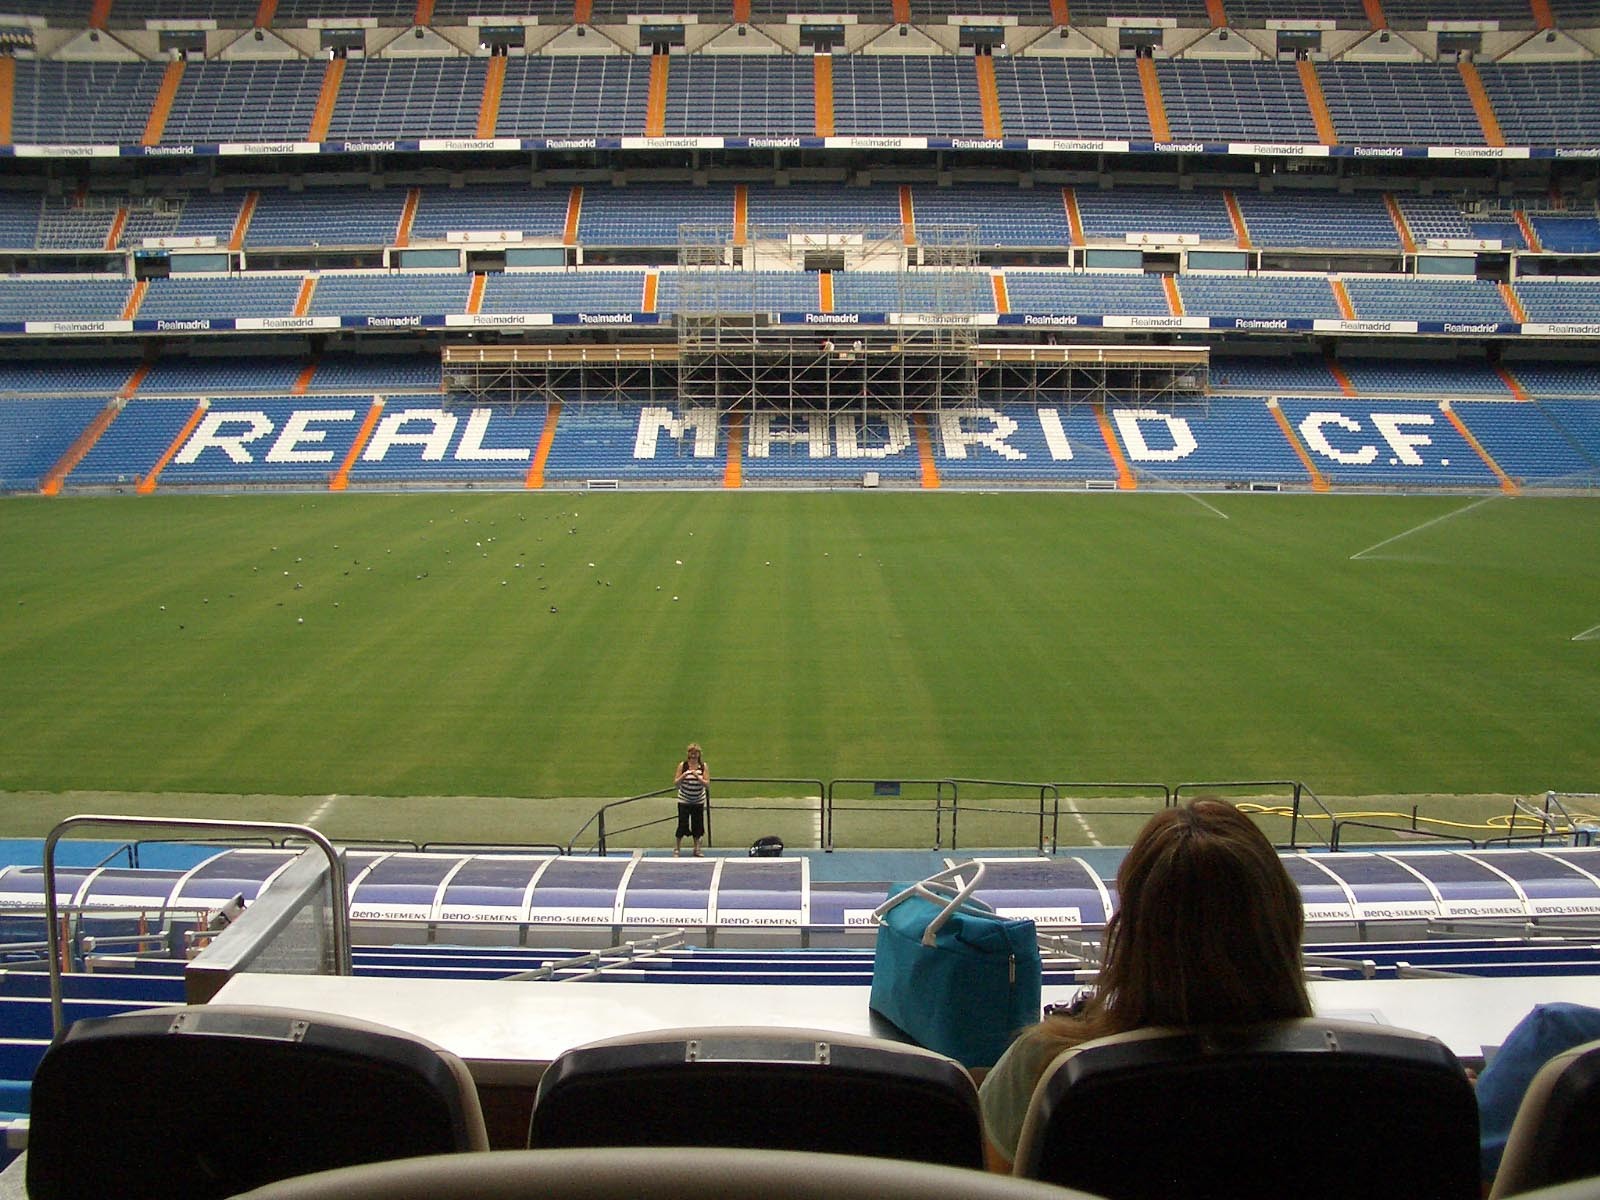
(626, 952)
(336, 880)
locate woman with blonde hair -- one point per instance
(1207, 932)
(693, 781)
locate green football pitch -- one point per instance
(478, 666)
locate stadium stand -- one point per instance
(1412, 104)
(906, 95)
(742, 95)
(1071, 97)
(243, 101)
(574, 97)
(419, 97)
(1235, 102)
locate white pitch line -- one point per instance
(321, 809)
(1204, 503)
(1587, 634)
(1426, 524)
(1083, 822)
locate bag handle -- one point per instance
(943, 887)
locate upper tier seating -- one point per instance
(1348, 12)
(1433, 217)
(1559, 299)
(1098, 11)
(1545, 104)
(603, 96)
(1271, 375)
(183, 298)
(1467, 300)
(209, 374)
(244, 101)
(915, 94)
(366, 294)
(1416, 104)
(1540, 378)
(534, 212)
(1322, 219)
(1071, 98)
(1109, 214)
(376, 372)
(1021, 217)
(564, 292)
(1304, 296)
(415, 97)
(649, 214)
(44, 377)
(326, 216)
(1056, 292)
(739, 95)
(1234, 102)
(83, 102)
(63, 300)
(812, 205)
(1384, 375)
(1568, 235)
(75, 222)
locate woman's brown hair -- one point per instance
(1207, 930)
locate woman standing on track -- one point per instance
(693, 782)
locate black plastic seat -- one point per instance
(761, 1089)
(1308, 1110)
(207, 1101)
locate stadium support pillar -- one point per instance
(1519, 314)
(1507, 484)
(733, 472)
(1059, 13)
(162, 108)
(825, 291)
(822, 86)
(51, 485)
(322, 117)
(1311, 85)
(569, 234)
(475, 293)
(1544, 16)
(547, 438)
(582, 10)
(652, 288)
(1319, 482)
(494, 84)
(741, 213)
(341, 477)
(1069, 198)
(302, 383)
(1002, 299)
(1125, 480)
(655, 121)
(99, 14)
(741, 11)
(1241, 231)
(265, 12)
(1401, 226)
(908, 216)
(1217, 13)
(1375, 13)
(930, 467)
(424, 16)
(989, 97)
(1481, 104)
(148, 484)
(241, 223)
(902, 12)
(8, 93)
(1154, 106)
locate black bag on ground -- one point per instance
(770, 846)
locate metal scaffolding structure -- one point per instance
(1148, 376)
(623, 374)
(741, 345)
